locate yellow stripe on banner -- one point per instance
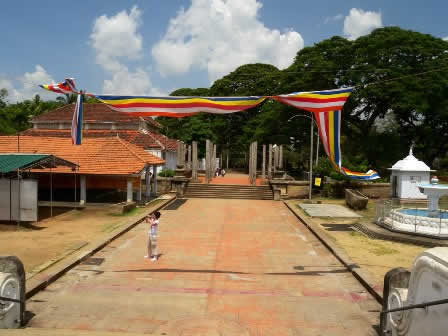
(331, 133)
(181, 101)
(321, 96)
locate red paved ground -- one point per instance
(228, 267)
(231, 178)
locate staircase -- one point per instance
(199, 190)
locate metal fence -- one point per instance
(412, 217)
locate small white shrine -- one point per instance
(407, 174)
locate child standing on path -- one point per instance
(153, 221)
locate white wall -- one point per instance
(408, 182)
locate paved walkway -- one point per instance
(228, 267)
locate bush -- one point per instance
(166, 173)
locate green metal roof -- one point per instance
(13, 162)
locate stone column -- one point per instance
(147, 181)
(275, 158)
(129, 191)
(207, 160)
(227, 158)
(250, 163)
(83, 191)
(154, 187)
(180, 167)
(263, 163)
(280, 159)
(270, 162)
(214, 158)
(189, 157)
(194, 174)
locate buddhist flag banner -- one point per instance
(178, 106)
(67, 87)
(317, 101)
(329, 125)
(326, 107)
(77, 122)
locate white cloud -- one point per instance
(220, 35)
(116, 41)
(335, 18)
(445, 38)
(26, 86)
(359, 23)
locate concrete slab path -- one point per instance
(227, 267)
(328, 210)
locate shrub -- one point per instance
(166, 173)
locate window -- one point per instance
(415, 179)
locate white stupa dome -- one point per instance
(410, 163)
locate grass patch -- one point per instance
(131, 212)
(382, 250)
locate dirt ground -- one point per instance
(377, 256)
(69, 230)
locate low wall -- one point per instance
(300, 189)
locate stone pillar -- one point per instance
(207, 160)
(194, 174)
(180, 167)
(147, 181)
(270, 162)
(263, 163)
(129, 191)
(227, 158)
(280, 159)
(253, 162)
(189, 157)
(214, 158)
(275, 158)
(83, 191)
(154, 187)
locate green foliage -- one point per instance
(166, 173)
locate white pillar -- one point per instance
(263, 164)
(129, 191)
(83, 193)
(154, 173)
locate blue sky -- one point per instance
(153, 47)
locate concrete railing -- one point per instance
(417, 296)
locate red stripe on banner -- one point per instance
(316, 100)
(183, 105)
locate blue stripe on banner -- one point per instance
(107, 98)
(79, 121)
(332, 92)
(369, 177)
(337, 154)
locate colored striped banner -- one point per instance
(76, 131)
(178, 106)
(67, 87)
(317, 101)
(329, 125)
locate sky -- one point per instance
(152, 47)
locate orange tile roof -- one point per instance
(143, 139)
(133, 136)
(96, 156)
